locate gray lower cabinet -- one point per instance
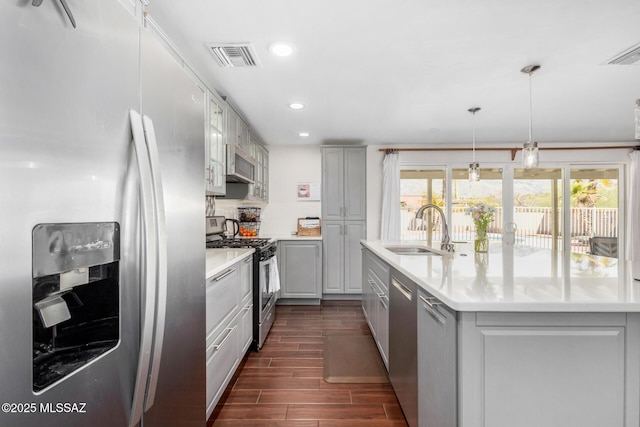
(229, 299)
(342, 257)
(300, 267)
(375, 301)
(437, 363)
(246, 304)
(485, 369)
(549, 369)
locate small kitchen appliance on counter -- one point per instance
(264, 291)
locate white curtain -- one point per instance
(633, 207)
(390, 218)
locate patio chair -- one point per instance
(603, 246)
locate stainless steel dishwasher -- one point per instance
(403, 344)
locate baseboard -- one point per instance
(298, 301)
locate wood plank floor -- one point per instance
(282, 385)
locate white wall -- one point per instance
(374, 190)
(288, 166)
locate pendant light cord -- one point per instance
(473, 111)
(530, 109)
(474, 136)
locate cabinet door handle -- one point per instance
(230, 331)
(430, 307)
(223, 275)
(248, 260)
(382, 303)
(248, 307)
(441, 319)
(430, 301)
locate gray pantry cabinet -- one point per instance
(229, 301)
(300, 267)
(343, 218)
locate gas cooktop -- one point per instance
(238, 243)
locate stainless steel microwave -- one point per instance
(240, 166)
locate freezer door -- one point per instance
(65, 140)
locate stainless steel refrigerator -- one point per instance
(102, 316)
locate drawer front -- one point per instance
(222, 360)
(380, 269)
(246, 327)
(246, 277)
(222, 299)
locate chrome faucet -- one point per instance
(446, 244)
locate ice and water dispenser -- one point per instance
(76, 297)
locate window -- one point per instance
(417, 188)
(534, 201)
(594, 210)
(464, 194)
(537, 207)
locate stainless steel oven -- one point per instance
(264, 288)
(265, 294)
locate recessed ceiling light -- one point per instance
(296, 106)
(281, 49)
(304, 134)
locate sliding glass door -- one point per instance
(531, 202)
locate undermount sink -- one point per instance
(411, 250)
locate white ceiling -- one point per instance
(406, 71)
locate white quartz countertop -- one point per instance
(518, 278)
(278, 237)
(219, 259)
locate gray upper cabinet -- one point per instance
(355, 174)
(238, 131)
(215, 153)
(300, 265)
(344, 183)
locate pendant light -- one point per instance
(474, 167)
(530, 148)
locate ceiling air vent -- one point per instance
(628, 57)
(234, 54)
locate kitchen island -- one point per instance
(518, 336)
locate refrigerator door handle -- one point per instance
(149, 270)
(161, 265)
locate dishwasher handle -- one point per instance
(408, 294)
